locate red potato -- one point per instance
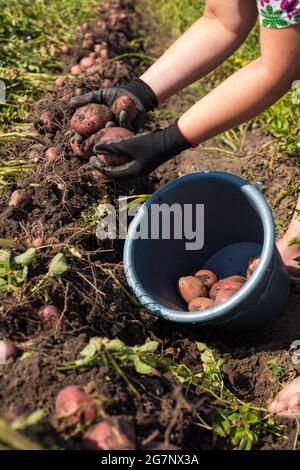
(87, 44)
(18, 197)
(240, 279)
(224, 284)
(207, 277)
(65, 50)
(190, 288)
(85, 150)
(91, 118)
(224, 294)
(78, 92)
(85, 26)
(8, 352)
(74, 405)
(104, 54)
(94, 70)
(110, 434)
(49, 315)
(99, 62)
(76, 69)
(89, 35)
(101, 26)
(114, 133)
(47, 122)
(60, 82)
(200, 303)
(124, 103)
(87, 62)
(252, 265)
(52, 154)
(98, 48)
(93, 55)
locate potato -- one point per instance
(98, 48)
(52, 154)
(124, 103)
(91, 118)
(18, 198)
(94, 70)
(85, 149)
(113, 133)
(74, 405)
(207, 277)
(237, 278)
(200, 303)
(190, 288)
(252, 265)
(8, 352)
(76, 69)
(65, 49)
(87, 62)
(47, 122)
(224, 294)
(60, 82)
(104, 54)
(87, 44)
(227, 283)
(49, 316)
(110, 434)
(85, 26)
(78, 92)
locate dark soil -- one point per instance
(93, 305)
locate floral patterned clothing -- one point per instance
(279, 13)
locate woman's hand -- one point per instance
(137, 90)
(145, 151)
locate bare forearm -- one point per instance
(206, 45)
(241, 97)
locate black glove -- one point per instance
(140, 93)
(146, 152)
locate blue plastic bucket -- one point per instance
(238, 225)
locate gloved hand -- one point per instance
(146, 151)
(140, 93)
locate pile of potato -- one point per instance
(97, 123)
(203, 289)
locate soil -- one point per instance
(90, 301)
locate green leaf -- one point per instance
(20, 276)
(3, 282)
(151, 346)
(92, 348)
(5, 259)
(25, 259)
(141, 367)
(58, 266)
(115, 345)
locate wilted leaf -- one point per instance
(75, 252)
(58, 265)
(25, 259)
(20, 276)
(141, 367)
(148, 347)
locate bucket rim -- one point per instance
(228, 308)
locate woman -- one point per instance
(245, 94)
